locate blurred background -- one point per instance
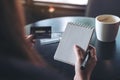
(42, 9)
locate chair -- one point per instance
(98, 7)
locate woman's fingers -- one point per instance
(92, 51)
(79, 53)
(30, 38)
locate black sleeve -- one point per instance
(21, 70)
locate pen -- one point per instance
(85, 60)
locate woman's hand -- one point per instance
(30, 39)
(79, 53)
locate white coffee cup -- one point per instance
(106, 27)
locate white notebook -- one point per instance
(74, 34)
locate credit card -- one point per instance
(41, 32)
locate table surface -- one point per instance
(108, 54)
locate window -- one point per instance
(74, 2)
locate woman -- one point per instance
(18, 58)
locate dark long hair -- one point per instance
(12, 35)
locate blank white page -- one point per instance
(74, 34)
